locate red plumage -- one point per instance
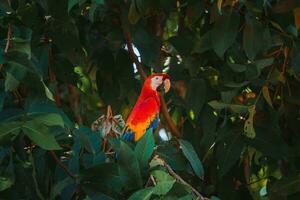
(147, 107)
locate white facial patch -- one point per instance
(156, 81)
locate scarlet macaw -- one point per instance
(145, 113)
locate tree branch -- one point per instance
(143, 75)
(178, 178)
(170, 123)
(64, 167)
(133, 57)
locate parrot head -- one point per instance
(158, 81)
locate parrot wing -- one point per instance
(143, 116)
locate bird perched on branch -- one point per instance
(145, 113)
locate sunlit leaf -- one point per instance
(164, 182)
(249, 130)
(144, 194)
(51, 119)
(40, 135)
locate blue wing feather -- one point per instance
(129, 135)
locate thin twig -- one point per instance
(8, 39)
(64, 167)
(152, 179)
(177, 177)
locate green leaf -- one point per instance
(133, 15)
(253, 37)
(129, 165)
(59, 186)
(148, 45)
(11, 83)
(186, 197)
(208, 122)
(235, 108)
(190, 153)
(6, 182)
(203, 44)
(229, 151)
(40, 135)
(51, 119)
(144, 194)
(249, 130)
(183, 44)
(105, 176)
(19, 61)
(269, 143)
(214, 198)
(9, 128)
(196, 96)
(262, 63)
(161, 176)
(22, 45)
(237, 67)
(285, 186)
(48, 93)
(144, 148)
(72, 3)
(266, 95)
(164, 184)
(225, 31)
(194, 11)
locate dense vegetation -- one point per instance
(229, 127)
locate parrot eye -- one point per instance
(156, 78)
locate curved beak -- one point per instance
(166, 85)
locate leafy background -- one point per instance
(229, 127)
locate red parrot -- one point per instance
(145, 113)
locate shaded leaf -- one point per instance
(228, 152)
(133, 15)
(196, 96)
(285, 186)
(72, 3)
(11, 83)
(253, 37)
(203, 44)
(225, 31)
(266, 94)
(128, 162)
(144, 148)
(9, 127)
(235, 108)
(190, 153)
(59, 186)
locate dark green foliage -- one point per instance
(235, 99)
